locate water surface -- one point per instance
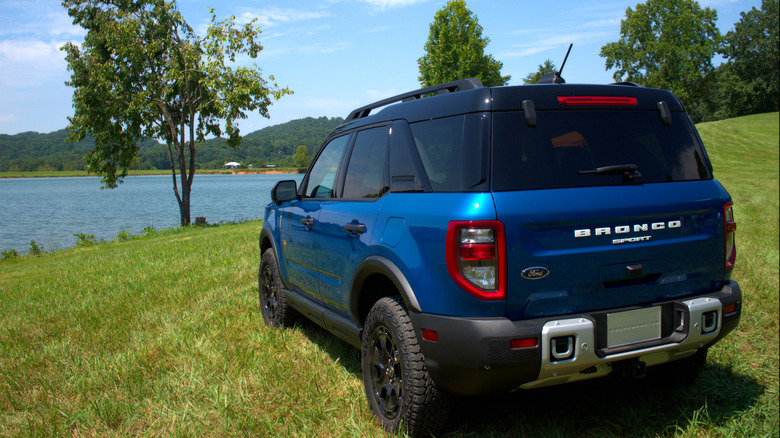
(51, 210)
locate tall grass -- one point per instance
(162, 336)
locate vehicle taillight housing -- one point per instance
(730, 251)
(476, 258)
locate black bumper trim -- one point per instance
(473, 355)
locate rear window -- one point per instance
(565, 143)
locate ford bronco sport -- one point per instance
(472, 240)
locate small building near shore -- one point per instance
(232, 165)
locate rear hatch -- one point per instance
(605, 206)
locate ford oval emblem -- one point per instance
(535, 273)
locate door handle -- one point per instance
(355, 228)
(307, 222)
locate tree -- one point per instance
(143, 73)
(547, 67)
(456, 49)
(749, 81)
(301, 157)
(666, 44)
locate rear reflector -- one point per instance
(522, 343)
(597, 100)
(730, 308)
(430, 335)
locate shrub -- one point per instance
(35, 249)
(84, 240)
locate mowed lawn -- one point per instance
(162, 336)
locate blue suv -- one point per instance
(473, 240)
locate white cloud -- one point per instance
(310, 49)
(717, 3)
(40, 19)
(274, 16)
(554, 41)
(613, 22)
(8, 118)
(27, 63)
(390, 4)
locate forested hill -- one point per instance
(31, 151)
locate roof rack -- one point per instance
(449, 87)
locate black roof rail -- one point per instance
(449, 87)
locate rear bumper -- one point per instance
(474, 356)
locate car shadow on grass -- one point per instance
(604, 407)
(340, 351)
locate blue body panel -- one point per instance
(421, 220)
(589, 273)
(585, 274)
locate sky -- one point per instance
(336, 55)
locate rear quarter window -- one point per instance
(453, 151)
(563, 143)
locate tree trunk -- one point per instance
(184, 207)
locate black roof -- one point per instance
(469, 96)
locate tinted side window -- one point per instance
(564, 143)
(364, 177)
(322, 177)
(452, 151)
(404, 171)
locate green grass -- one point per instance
(162, 336)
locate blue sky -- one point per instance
(335, 55)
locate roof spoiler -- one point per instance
(449, 87)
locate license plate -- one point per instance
(633, 326)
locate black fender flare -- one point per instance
(266, 234)
(380, 265)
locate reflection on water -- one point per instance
(51, 210)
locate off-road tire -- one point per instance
(273, 301)
(399, 390)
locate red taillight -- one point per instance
(476, 258)
(597, 100)
(730, 251)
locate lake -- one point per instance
(51, 210)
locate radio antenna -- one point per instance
(558, 79)
(555, 77)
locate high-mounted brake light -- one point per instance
(730, 250)
(597, 100)
(476, 258)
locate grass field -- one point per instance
(162, 336)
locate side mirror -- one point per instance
(284, 191)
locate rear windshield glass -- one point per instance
(566, 148)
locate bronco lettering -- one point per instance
(624, 229)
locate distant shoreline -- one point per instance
(81, 173)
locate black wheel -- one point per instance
(273, 302)
(399, 390)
